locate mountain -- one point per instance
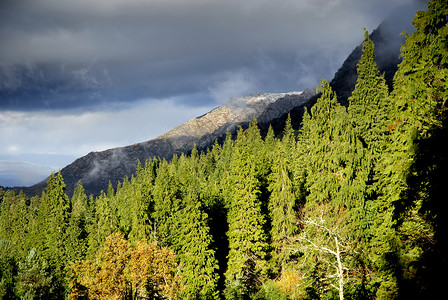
(96, 169)
(388, 40)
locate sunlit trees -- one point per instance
(283, 204)
(54, 216)
(121, 270)
(248, 243)
(36, 280)
(349, 206)
(77, 229)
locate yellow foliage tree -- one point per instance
(121, 270)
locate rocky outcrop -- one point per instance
(240, 111)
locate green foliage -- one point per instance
(77, 229)
(36, 279)
(248, 240)
(8, 270)
(283, 204)
(414, 163)
(54, 217)
(349, 206)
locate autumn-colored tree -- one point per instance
(121, 270)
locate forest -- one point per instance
(350, 205)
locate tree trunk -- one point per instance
(340, 270)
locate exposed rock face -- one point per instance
(206, 129)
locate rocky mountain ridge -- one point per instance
(96, 169)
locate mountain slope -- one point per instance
(96, 169)
(388, 40)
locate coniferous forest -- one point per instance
(348, 206)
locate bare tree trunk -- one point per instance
(340, 270)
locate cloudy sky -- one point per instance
(87, 75)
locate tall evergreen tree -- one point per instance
(15, 223)
(104, 223)
(196, 256)
(369, 104)
(167, 202)
(54, 217)
(370, 115)
(142, 206)
(8, 269)
(248, 239)
(283, 197)
(77, 230)
(331, 213)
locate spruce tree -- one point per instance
(104, 223)
(167, 201)
(195, 253)
(54, 217)
(8, 269)
(77, 230)
(330, 214)
(370, 115)
(282, 199)
(14, 222)
(248, 246)
(369, 104)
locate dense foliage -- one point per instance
(348, 206)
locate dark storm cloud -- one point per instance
(59, 54)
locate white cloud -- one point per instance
(232, 84)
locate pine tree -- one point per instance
(330, 215)
(143, 203)
(196, 256)
(248, 246)
(370, 115)
(183, 225)
(8, 269)
(167, 202)
(104, 223)
(14, 222)
(420, 82)
(54, 216)
(35, 279)
(369, 104)
(282, 200)
(327, 132)
(77, 231)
